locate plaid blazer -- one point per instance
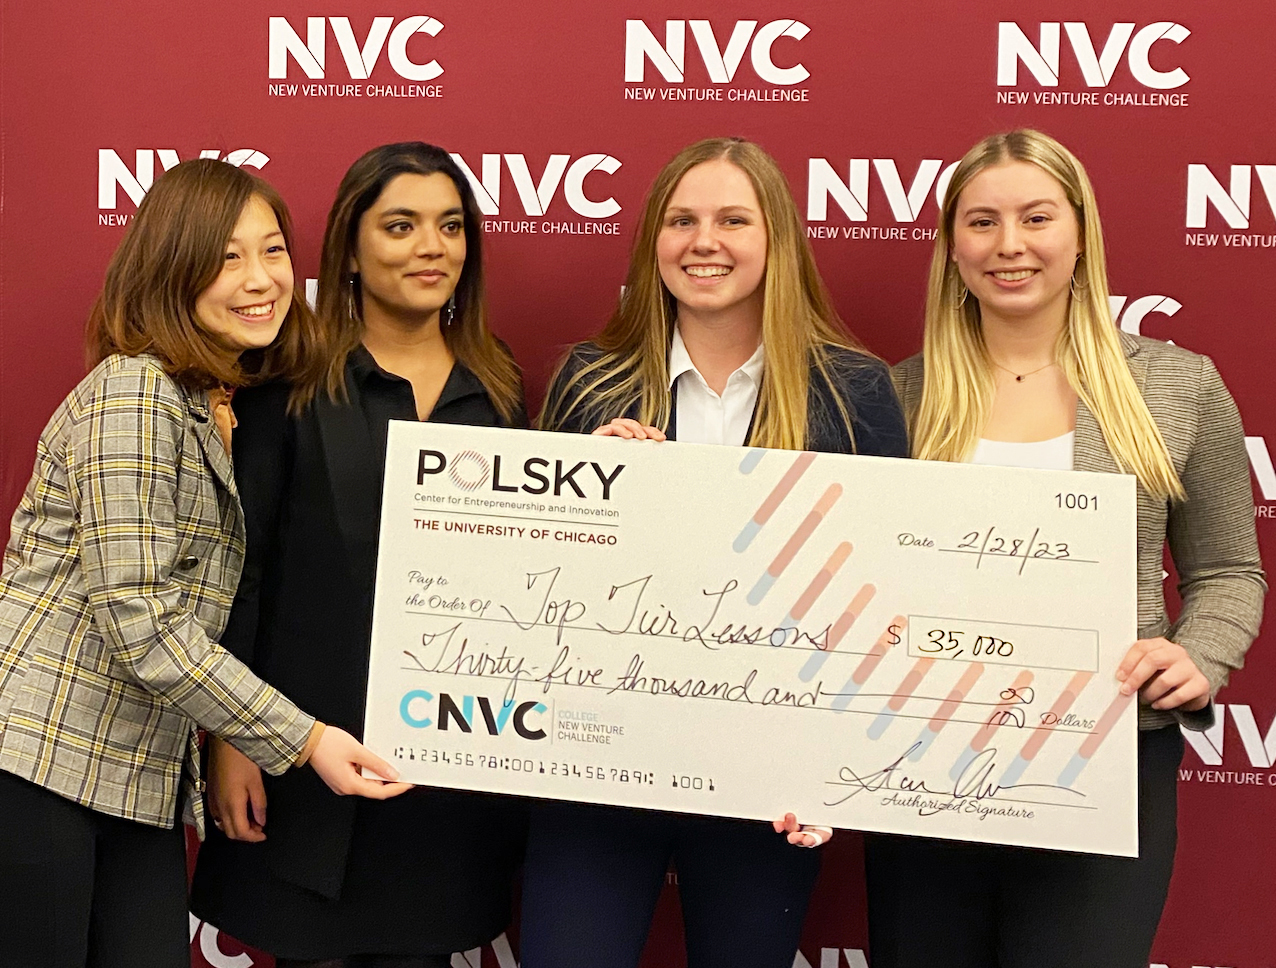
(120, 571)
(1211, 534)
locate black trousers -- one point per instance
(978, 906)
(79, 888)
(593, 874)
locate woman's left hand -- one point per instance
(1164, 675)
(799, 835)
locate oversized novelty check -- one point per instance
(889, 645)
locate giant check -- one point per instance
(889, 645)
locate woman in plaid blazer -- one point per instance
(1023, 365)
(121, 566)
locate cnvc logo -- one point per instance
(1233, 202)
(114, 173)
(1097, 66)
(669, 56)
(470, 470)
(536, 194)
(1260, 749)
(418, 709)
(361, 58)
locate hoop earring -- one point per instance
(1074, 289)
(965, 292)
(449, 310)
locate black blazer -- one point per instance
(864, 383)
(302, 617)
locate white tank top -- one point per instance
(1052, 454)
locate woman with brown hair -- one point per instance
(725, 334)
(404, 337)
(1023, 366)
(118, 577)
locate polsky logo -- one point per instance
(535, 476)
(421, 709)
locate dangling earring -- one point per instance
(1073, 288)
(352, 301)
(964, 293)
(449, 310)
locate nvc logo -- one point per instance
(669, 57)
(851, 196)
(113, 173)
(360, 59)
(1130, 317)
(1097, 67)
(1208, 745)
(536, 194)
(1233, 202)
(418, 709)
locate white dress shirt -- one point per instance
(702, 416)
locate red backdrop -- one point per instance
(565, 111)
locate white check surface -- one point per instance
(889, 645)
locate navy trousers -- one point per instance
(593, 875)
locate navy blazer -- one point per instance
(863, 382)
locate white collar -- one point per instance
(680, 362)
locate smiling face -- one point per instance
(711, 250)
(247, 302)
(410, 247)
(1016, 242)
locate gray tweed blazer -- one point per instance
(121, 567)
(1211, 534)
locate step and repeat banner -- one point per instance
(563, 112)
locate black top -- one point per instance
(310, 486)
(863, 382)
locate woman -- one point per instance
(725, 334)
(404, 336)
(122, 560)
(1022, 365)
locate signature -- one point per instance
(972, 785)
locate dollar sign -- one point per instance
(893, 632)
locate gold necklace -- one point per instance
(1019, 376)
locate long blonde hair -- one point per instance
(958, 389)
(799, 323)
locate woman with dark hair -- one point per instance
(123, 557)
(405, 337)
(725, 334)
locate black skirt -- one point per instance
(428, 872)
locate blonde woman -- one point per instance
(725, 335)
(1022, 365)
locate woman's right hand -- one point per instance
(339, 758)
(236, 796)
(629, 430)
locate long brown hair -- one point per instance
(799, 323)
(958, 392)
(340, 303)
(174, 249)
